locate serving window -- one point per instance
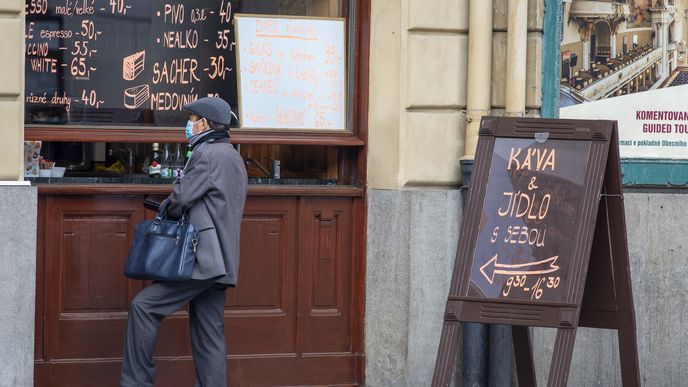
(124, 64)
(117, 72)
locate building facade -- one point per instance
(434, 68)
(421, 99)
(430, 82)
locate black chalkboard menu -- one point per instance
(543, 226)
(529, 212)
(129, 62)
(532, 212)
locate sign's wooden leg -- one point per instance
(628, 356)
(525, 368)
(561, 358)
(446, 355)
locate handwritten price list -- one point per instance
(126, 61)
(292, 73)
(525, 239)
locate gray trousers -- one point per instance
(206, 312)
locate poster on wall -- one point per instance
(627, 62)
(291, 72)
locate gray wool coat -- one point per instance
(213, 191)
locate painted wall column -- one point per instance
(586, 55)
(684, 30)
(479, 70)
(655, 40)
(664, 69)
(517, 42)
(612, 46)
(660, 28)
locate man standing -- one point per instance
(213, 192)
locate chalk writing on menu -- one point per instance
(292, 73)
(126, 62)
(527, 226)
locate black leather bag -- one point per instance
(163, 249)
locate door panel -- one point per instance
(88, 284)
(263, 305)
(86, 294)
(325, 274)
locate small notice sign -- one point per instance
(652, 124)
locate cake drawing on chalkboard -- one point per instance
(133, 65)
(135, 97)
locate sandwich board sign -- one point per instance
(543, 242)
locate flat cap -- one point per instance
(212, 108)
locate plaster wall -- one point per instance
(418, 76)
(644, 37)
(574, 48)
(11, 89)
(417, 92)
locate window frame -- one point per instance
(355, 12)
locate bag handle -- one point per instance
(162, 214)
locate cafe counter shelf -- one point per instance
(141, 184)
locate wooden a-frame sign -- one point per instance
(543, 243)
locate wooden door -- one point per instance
(290, 321)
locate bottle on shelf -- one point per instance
(178, 162)
(166, 163)
(145, 166)
(109, 156)
(155, 168)
(130, 160)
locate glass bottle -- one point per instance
(130, 160)
(109, 156)
(178, 161)
(166, 164)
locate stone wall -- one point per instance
(412, 241)
(17, 284)
(658, 250)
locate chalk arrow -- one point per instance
(491, 268)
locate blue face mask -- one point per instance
(189, 128)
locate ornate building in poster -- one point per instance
(612, 48)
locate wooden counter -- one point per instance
(164, 189)
(294, 319)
